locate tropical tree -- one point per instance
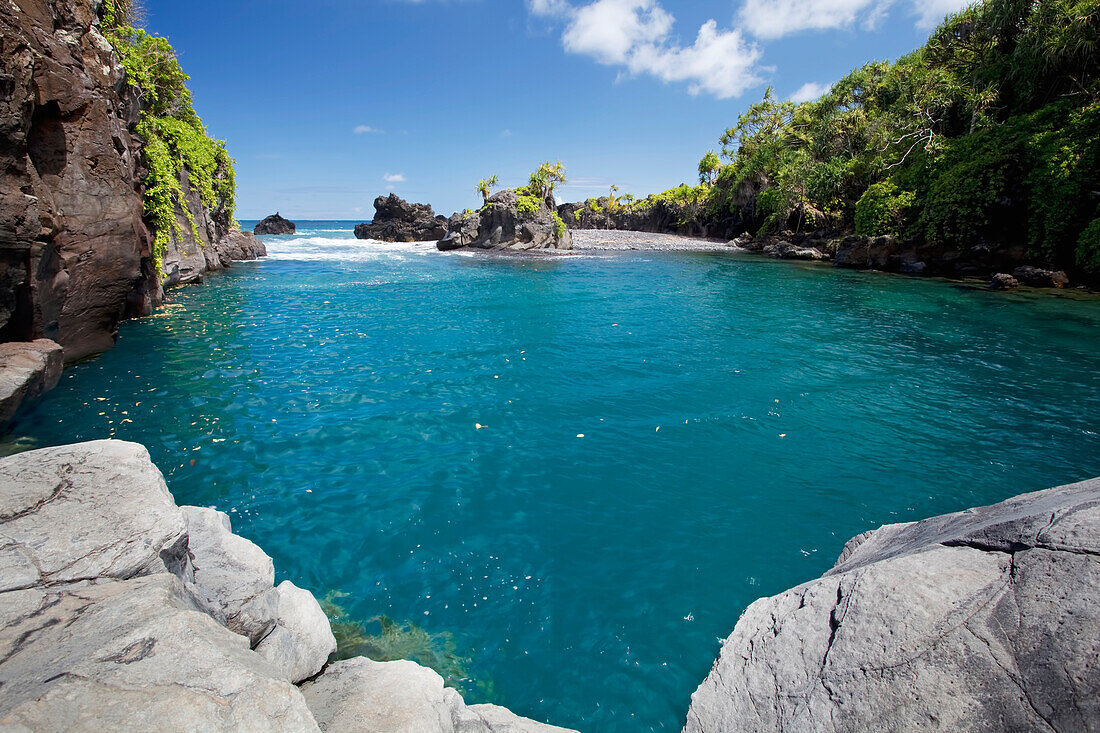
(485, 187)
(709, 166)
(546, 177)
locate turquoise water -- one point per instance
(741, 418)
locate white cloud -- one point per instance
(394, 178)
(364, 129)
(776, 18)
(506, 133)
(931, 13)
(809, 91)
(768, 19)
(636, 34)
(550, 8)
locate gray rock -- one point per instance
(1039, 278)
(92, 510)
(1003, 281)
(27, 370)
(133, 655)
(397, 220)
(402, 697)
(233, 578)
(302, 639)
(787, 251)
(984, 620)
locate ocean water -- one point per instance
(405, 427)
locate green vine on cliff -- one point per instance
(175, 138)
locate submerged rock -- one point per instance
(275, 224)
(983, 620)
(396, 220)
(27, 370)
(402, 697)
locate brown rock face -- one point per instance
(72, 238)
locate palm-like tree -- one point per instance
(546, 176)
(485, 187)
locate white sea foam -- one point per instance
(315, 248)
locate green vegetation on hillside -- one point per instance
(989, 133)
(174, 137)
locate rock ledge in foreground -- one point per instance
(983, 620)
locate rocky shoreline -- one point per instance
(120, 610)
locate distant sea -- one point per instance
(575, 473)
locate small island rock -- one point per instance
(396, 220)
(274, 224)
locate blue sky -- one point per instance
(326, 104)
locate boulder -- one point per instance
(133, 655)
(982, 620)
(867, 252)
(402, 697)
(783, 249)
(396, 220)
(233, 578)
(302, 639)
(1038, 278)
(92, 510)
(27, 370)
(274, 224)
(462, 231)
(1003, 281)
(237, 245)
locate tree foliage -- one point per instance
(988, 132)
(174, 137)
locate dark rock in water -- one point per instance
(783, 249)
(1038, 278)
(1003, 281)
(27, 369)
(461, 231)
(867, 252)
(501, 225)
(238, 245)
(275, 224)
(913, 267)
(983, 620)
(396, 220)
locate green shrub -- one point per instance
(881, 209)
(559, 225)
(173, 135)
(1088, 248)
(528, 205)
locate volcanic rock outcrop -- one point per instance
(396, 220)
(508, 221)
(275, 224)
(983, 620)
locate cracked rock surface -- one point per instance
(982, 620)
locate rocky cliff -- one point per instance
(75, 248)
(121, 611)
(983, 620)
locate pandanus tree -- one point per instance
(709, 166)
(485, 187)
(546, 177)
